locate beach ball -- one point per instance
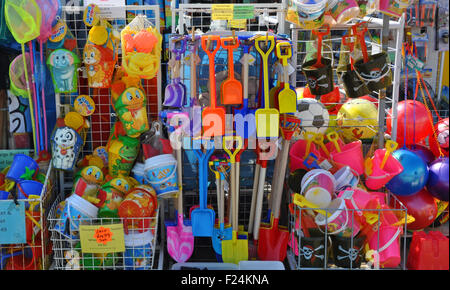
(440, 140)
(424, 152)
(418, 124)
(357, 119)
(413, 177)
(422, 206)
(438, 179)
(313, 115)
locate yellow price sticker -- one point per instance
(237, 23)
(222, 11)
(100, 239)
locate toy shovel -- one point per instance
(287, 98)
(309, 137)
(243, 112)
(333, 137)
(267, 119)
(301, 201)
(390, 147)
(231, 88)
(203, 218)
(360, 35)
(320, 36)
(318, 139)
(175, 92)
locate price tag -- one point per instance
(237, 23)
(109, 8)
(101, 239)
(222, 11)
(12, 222)
(244, 12)
(414, 63)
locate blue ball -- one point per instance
(414, 176)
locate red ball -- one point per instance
(418, 121)
(422, 206)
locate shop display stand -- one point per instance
(38, 254)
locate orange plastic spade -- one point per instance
(213, 118)
(231, 88)
(350, 44)
(320, 36)
(360, 34)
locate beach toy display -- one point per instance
(141, 45)
(63, 65)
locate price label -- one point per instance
(414, 63)
(237, 23)
(12, 222)
(222, 11)
(244, 12)
(101, 239)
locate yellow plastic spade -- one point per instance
(390, 147)
(300, 200)
(287, 98)
(333, 137)
(309, 137)
(318, 139)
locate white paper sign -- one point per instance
(109, 8)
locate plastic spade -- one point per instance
(301, 201)
(390, 147)
(274, 239)
(333, 137)
(266, 118)
(249, 127)
(175, 92)
(231, 88)
(212, 114)
(203, 218)
(309, 137)
(320, 36)
(180, 240)
(360, 35)
(287, 98)
(234, 250)
(221, 233)
(318, 139)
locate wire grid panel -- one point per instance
(331, 49)
(68, 254)
(36, 253)
(267, 17)
(324, 250)
(104, 117)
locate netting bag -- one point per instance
(17, 75)
(141, 48)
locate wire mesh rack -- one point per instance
(140, 238)
(36, 253)
(303, 47)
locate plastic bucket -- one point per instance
(379, 177)
(388, 246)
(161, 173)
(318, 187)
(3, 195)
(340, 220)
(375, 73)
(138, 250)
(138, 172)
(297, 152)
(312, 252)
(309, 11)
(356, 199)
(25, 188)
(76, 209)
(353, 85)
(19, 165)
(345, 178)
(347, 255)
(344, 11)
(351, 155)
(320, 80)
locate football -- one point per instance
(313, 115)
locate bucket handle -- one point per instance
(343, 226)
(366, 81)
(394, 237)
(165, 179)
(310, 178)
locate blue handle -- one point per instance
(203, 174)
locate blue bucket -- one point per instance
(25, 188)
(138, 250)
(19, 165)
(3, 195)
(161, 173)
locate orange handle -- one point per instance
(360, 35)
(320, 35)
(211, 56)
(227, 43)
